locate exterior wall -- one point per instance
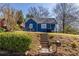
(56, 29)
(53, 27)
(50, 27)
(30, 21)
(40, 29)
(37, 27)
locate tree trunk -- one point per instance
(63, 22)
(64, 7)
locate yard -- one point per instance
(69, 43)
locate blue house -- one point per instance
(40, 24)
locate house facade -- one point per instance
(40, 24)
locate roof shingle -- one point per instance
(44, 20)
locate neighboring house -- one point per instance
(40, 24)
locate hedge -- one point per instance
(15, 41)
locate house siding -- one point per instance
(37, 26)
(40, 29)
(50, 27)
(53, 27)
(30, 21)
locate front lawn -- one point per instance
(22, 41)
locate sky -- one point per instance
(25, 6)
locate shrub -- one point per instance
(51, 37)
(2, 29)
(15, 41)
(74, 44)
(70, 30)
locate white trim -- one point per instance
(56, 29)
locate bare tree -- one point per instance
(38, 12)
(9, 18)
(2, 6)
(19, 17)
(66, 13)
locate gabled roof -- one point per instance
(44, 20)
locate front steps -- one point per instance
(44, 40)
(44, 51)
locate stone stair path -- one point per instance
(44, 51)
(44, 40)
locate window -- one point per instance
(43, 26)
(30, 26)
